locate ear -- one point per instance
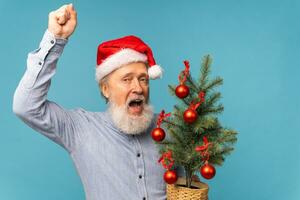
(105, 89)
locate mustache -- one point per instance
(134, 98)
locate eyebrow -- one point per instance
(130, 74)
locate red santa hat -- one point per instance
(114, 54)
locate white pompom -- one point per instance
(155, 72)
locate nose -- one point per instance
(136, 86)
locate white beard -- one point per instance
(131, 124)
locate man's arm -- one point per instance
(30, 99)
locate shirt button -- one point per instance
(138, 155)
(52, 42)
(144, 198)
(40, 63)
(140, 176)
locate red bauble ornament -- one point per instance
(190, 115)
(158, 134)
(170, 176)
(182, 91)
(208, 171)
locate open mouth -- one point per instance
(135, 106)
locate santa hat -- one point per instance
(113, 54)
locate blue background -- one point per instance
(255, 46)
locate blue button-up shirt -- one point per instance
(112, 165)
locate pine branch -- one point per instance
(206, 125)
(214, 83)
(172, 89)
(213, 98)
(173, 124)
(217, 160)
(177, 137)
(226, 151)
(165, 142)
(228, 136)
(215, 110)
(230, 132)
(176, 108)
(198, 129)
(205, 70)
(199, 165)
(192, 84)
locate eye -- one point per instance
(126, 79)
(144, 79)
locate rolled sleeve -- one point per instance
(36, 59)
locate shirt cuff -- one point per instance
(50, 43)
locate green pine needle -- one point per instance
(186, 137)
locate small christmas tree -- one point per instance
(198, 141)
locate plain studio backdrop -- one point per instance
(256, 49)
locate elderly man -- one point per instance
(112, 151)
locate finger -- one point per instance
(72, 11)
(70, 6)
(68, 14)
(62, 8)
(61, 18)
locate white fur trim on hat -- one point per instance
(155, 72)
(117, 60)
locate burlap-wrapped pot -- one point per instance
(178, 191)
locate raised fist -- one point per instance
(62, 22)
